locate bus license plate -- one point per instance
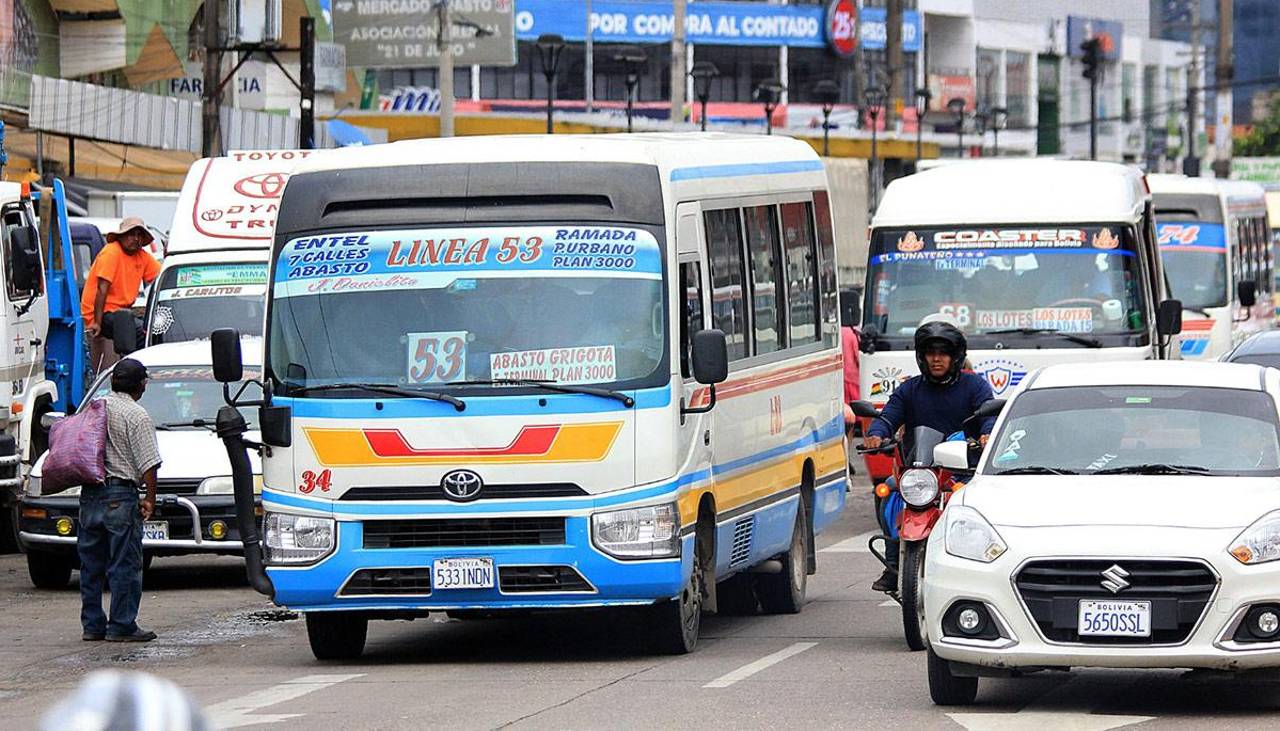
(462, 573)
(1114, 619)
(155, 530)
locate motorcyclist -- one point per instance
(941, 397)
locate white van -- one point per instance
(215, 271)
(1038, 261)
(1216, 250)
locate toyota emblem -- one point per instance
(461, 485)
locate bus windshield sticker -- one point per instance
(585, 364)
(257, 290)
(1192, 236)
(961, 249)
(436, 357)
(220, 275)
(1063, 319)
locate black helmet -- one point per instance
(951, 338)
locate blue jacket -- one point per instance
(920, 403)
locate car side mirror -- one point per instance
(952, 456)
(276, 425)
(1169, 318)
(864, 409)
(228, 365)
(123, 327)
(24, 258)
(710, 357)
(1247, 293)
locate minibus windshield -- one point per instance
(570, 304)
(193, 300)
(1074, 280)
(1195, 259)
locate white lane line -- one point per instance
(1044, 721)
(237, 712)
(857, 544)
(746, 671)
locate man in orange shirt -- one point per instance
(113, 284)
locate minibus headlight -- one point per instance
(652, 531)
(918, 487)
(293, 539)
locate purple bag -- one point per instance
(77, 450)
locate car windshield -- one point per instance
(178, 395)
(1154, 429)
(571, 304)
(1195, 258)
(194, 300)
(1080, 279)
(1266, 360)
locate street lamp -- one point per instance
(873, 100)
(703, 72)
(634, 59)
(923, 97)
(956, 107)
(826, 92)
(550, 46)
(769, 93)
(999, 115)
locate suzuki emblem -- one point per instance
(1113, 579)
(461, 485)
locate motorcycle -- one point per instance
(909, 504)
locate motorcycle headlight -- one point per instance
(918, 487)
(970, 536)
(652, 531)
(296, 539)
(1260, 542)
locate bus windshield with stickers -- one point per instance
(463, 307)
(193, 300)
(1079, 280)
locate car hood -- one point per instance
(1137, 500)
(188, 455)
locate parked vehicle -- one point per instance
(1121, 517)
(1260, 349)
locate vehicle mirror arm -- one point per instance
(711, 403)
(25, 307)
(235, 400)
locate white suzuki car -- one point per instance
(1121, 517)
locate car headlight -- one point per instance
(970, 536)
(1260, 542)
(294, 539)
(224, 485)
(652, 531)
(918, 487)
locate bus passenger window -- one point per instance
(691, 321)
(762, 248)
(827, 285)
(728, 308)
(801, 272)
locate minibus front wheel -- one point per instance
(337, 635)
(677, 622)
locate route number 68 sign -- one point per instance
(437, 357)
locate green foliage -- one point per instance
(1264, 139)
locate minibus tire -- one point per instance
(676, 623)
(336, 635)
(783, 592)
(49, 570)
(946, 689)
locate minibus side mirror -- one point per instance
(24, 258)
(228, 366)
(864, 409)
(1169, 318)
(1247, 293)
(710, 357)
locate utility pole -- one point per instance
(1191, 163)
(209, 140)
(893, 59)
(1223, 73)
(444, 43)
(307, 83)
(677, 63)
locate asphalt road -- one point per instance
(841, 663)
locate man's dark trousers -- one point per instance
(110, 547)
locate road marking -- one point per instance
(746, 671)
(1043, 721)
(857, 544)
(238, 712)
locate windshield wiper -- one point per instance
(1036, 469)
(1081, 339)
(387, 388)
(1156, 469)
(626, 400)
(193, 424)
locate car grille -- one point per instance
(489, 492)
(177, 487)
(525, 579)
(464, 532)
(1179, 592)
(388, 582)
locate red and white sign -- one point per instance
(842, 24)
(583, 364)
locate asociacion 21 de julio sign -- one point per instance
(405, 33)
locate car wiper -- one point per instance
(1036, 469)
(551, 386)
(1155, 469)
(1081, 339)
(387, 388)
(193, 424)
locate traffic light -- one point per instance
(1092, 58)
